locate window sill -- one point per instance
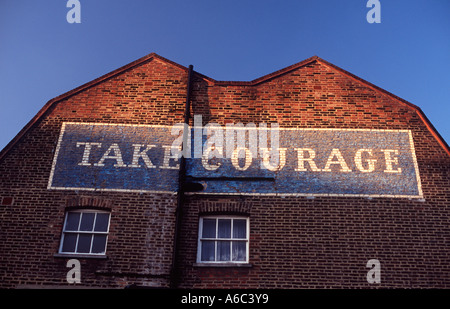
(239, 265)
(80, 256)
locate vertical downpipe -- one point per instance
(181, 182)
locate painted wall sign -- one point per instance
(316, 162)
(109, 157)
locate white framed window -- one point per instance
(223, 239)
(85, 232)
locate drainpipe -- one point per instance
(181, 182)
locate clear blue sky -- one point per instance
(43, 56)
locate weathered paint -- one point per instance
(347, 162)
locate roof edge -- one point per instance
(254, 82)
(269, 76)
(315, 58)
(81, 88)
(417, 109)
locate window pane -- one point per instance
(69, 243)
(209, 228)
(224, 228)
(239, 251)
(84, 243)
(87, 221)
(73, 218)
(99, 244)
(239, 228)
(223, 250)
(207, 251)
(101, 223)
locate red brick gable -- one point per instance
(295, 241)
(253, 90)
(84, 89)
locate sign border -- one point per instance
(411, 144)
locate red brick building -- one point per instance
(363, 176)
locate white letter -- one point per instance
(336, 153)
(141, 154)
(117, 156)
(169, 153)
(205, 159)
(370, 162)
(274, 140)
(311, 155)
(374, 275)
(281, 158)
(74, 275)
(235, 158)
(74, 15)
(87, 152)
(374, 15)
(182, 139)
(389, 161)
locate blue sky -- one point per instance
(43, 56)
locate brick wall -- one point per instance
(325, 242)
(141, 231)
(295, 242)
